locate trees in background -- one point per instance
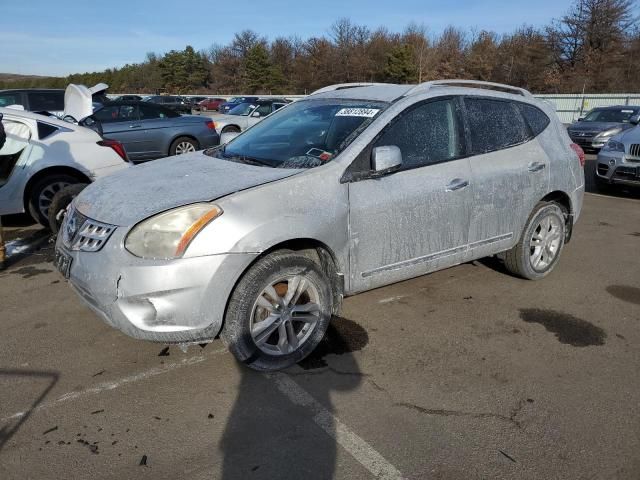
(595, 46)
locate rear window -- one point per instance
(535, 117)
(47, 101)
(494, 125)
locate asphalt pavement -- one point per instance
(462, 374)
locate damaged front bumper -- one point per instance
(171, 301)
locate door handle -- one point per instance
(135, 126)
(536, 166)
(457, 184)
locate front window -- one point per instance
(243, 109)
(305, 134)
(610, 115)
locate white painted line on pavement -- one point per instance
(105, 386)
(342, 434)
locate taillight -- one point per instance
(116, 146)
(211, 125)
(580, 152)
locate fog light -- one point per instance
(612, 162)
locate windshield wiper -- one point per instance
(248, 160)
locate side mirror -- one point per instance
(580, 119)
(256, 115)
(386, 159)
(634, 120)
(226, 137)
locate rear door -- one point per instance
(415, 220)
(158, 123)
(510, 173)
(120, 122)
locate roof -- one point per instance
(53, 120)
(32, 90)
(618, 107)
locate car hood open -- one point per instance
(133, 194)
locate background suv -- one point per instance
(596, 128)
(352, 188)
(172, 102)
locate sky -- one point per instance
(44, 37)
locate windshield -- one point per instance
(242, 109)
(610, 115)
(303, 134)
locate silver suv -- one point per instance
(352, 188)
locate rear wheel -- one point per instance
(183, 145)
(59, 204)
(539, 248)
(42, 193)
(278, 312)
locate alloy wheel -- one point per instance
(46, 196)
(545, 242)
(185, 147)
(285, 315)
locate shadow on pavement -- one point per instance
(9, 430)
(269, 436)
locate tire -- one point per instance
(525, 260)
(41, 195)
(264, 349)
(183, 145)
(230, 129)
(60, 202)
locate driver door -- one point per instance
(415, 220)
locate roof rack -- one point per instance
(343, 86)
(426, 86)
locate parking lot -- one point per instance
(465, 373)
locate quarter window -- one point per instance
(425, 134)
(535, 117)
(494, 125)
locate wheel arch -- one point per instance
(315, 250)
(46, 172)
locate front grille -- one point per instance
(82, 233)
(603, 169)
(634, 150)
(627, 173)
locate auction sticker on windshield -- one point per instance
(357, 112)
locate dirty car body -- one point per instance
(342, 183)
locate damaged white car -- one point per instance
(44, 154)
(349, 189)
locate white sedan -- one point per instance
(44, 154)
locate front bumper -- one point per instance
(589, 143)
(170, 301)
(618, 168)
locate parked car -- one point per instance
(47, 99)
(150, 131)
(234, 101)
(243, 115)
(210, 104)
(128, 98)
(619, 160)
(594, 130)
(172, 102)
(344, 191)
(195, 100)
(44, 154)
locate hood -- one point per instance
(133, 194)
(631, 135)
(78, 100)
(595, 126)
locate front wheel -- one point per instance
(539, 248)
(279, 312)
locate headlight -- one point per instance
(168, 234)
(613, 146)
(609, 133)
